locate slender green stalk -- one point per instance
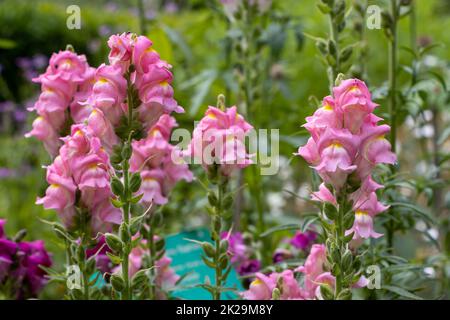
(82, 254)
(142, 20)
(125, 225)
(152, 252)
(393, 74)
(341, 245)
(392, 103)
(334, 36)
(126, 197)
(217, 225)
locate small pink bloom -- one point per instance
(43, 131)
(152, 187)
(102, 128)
(375, 149)
(108, 92)
(261, 288)
(323, 195)
(309, 152)
(60, 194)
(337, 149)
(121, 49)
(328, 116)
(354, 99)
(219, 138)
(67, 66)
(144, 55)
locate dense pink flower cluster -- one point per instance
(66, 82)
(20, 265)
(159, 163)
(99, 95)
(346, 139)
(81, 166)
(98, 100)
(219, 138)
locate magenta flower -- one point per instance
(237, 249)
(281, 254)
(100, 250)
(249, 267)
(304, 240)
(20, 265)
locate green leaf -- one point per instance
(114, 259)
(426, 216)
(177, 39)
(280, 228)
(402, 292)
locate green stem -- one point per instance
(334, 36)
(125, 224)
(340, 243)
(152, 250)
(84, 243)
(142, 19)
(393, 74)
(390, 228)
(217, 223)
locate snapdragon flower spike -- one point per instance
(346, 139)
(219, 139)
(81, 166)
(158, 162)
(64, 84)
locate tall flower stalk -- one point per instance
(392, 69)
(334, 56)
(225, 130)
(93, 175)
(247, 17)
(346, 144)
(390, 22)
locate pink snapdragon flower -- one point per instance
(346, 139)
(263, 286)
(82, 165)
(154, 158)
(121, 49)
(67, 66)
(219, 139)
(65, 83)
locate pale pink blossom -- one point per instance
(219, 139)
